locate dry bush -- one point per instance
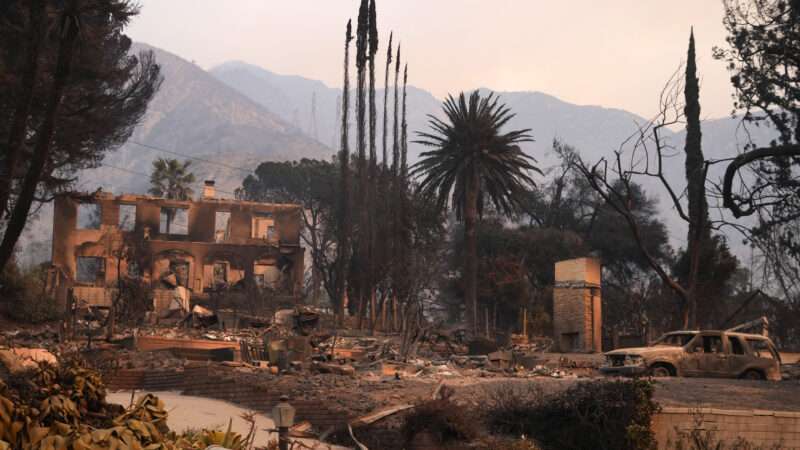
(136, 299)
(25, 294)
(443, 421)
(612, 415)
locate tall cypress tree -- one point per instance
(385, 241)
(362, 34)
(370, 234)
(404, 131)
(373, 50)
(402, 223)
(699, 230)
(396, 145)
(386, 101)
(395, 188)
(345, 225)
(361, 64)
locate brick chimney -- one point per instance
(208, 190)
(577, 307)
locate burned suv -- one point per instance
(699, 354)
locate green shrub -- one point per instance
(612, 415)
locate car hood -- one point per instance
(646, 351)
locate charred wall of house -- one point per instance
(206, 245)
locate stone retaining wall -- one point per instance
(764, 429)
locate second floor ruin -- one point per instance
(204, 245)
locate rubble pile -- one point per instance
(350, 371)
(291, 342)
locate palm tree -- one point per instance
(171, 179)
(473, 161)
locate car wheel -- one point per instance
(660, 371)
(753, 375)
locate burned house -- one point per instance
(196, 248)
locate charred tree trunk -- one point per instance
(316, 275)
(471, 260)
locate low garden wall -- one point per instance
(760, 428)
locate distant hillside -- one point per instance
(293, 96)
(591, 128)
(195, 114)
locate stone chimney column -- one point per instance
(209, 191)
(577, 307)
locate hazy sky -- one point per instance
(614, 53)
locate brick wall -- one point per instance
(199, 381)
(765, 429)
(568, 315)
(577, 310)
(576, 305)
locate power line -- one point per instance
(172, 152)
(146, 175)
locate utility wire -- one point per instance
(146, 175)
(172, 152)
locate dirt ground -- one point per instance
(729, 394)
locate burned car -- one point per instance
(720, 354)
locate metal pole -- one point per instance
(283, 438)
